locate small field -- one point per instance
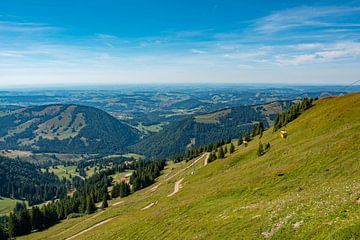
(118, 177)
(64, 171)
(212, 117)
(7, 205)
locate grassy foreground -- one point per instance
(306, 187)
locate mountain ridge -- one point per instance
(210, 127)
(64, 128)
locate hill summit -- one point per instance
(64, 128)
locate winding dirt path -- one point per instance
(176, 187)
(204, 157)
(89, 229)
(118, 203)
(206, 160)
(149, 206)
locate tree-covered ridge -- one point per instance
(64, 129)
(22, 180)
(295, 110)
(229, 123)
(83, 201)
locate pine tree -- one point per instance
(232, 148)
(36, 218)
(267, 146)
(115, 191)
(105, 201)
(13, 225)
(247, 137)
(260, 150)
(3, 234)
(83, 205)
(24, 222)
(240, 141)
(90, 205)
(221, 153)
(225, 150)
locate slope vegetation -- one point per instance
(204, 129)
(64, 128)
(305, 187)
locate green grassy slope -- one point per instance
(305, 187)
(7, 205)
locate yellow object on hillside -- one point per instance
(283, 134)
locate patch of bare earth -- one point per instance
(89, 229)
(176, 187)
(149, 206)
(275, 227)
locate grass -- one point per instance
(306, 187)
(134, 155)
(64, 171)
(118, 177)
(146, 129)
(212, 117)
(7, 205)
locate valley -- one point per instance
(289, 191)
(179, 120)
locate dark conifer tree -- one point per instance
(37, 218)
(247, 137)
(240, 141)
(24, 222)
(90, 205)
(105, 201)
(260, 150)
(267, 146)
(13, 225)
(3, 234)
(232, 148)
(221, 153)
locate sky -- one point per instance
(100, 42)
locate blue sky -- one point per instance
(201, 41)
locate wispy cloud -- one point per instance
(9, 26)
(197, 51)
(323, 53)
(305, 17)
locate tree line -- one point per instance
(146, 173)
(292, 113)
(23, 180)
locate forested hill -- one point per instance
(208, 128)
(22, 180)
(64, 128)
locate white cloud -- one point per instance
(321, 53)
(8, 26)
(197, 51)
(333, 16)
(245, 55)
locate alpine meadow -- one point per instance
(179, 120)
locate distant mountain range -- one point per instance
(64, 128)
